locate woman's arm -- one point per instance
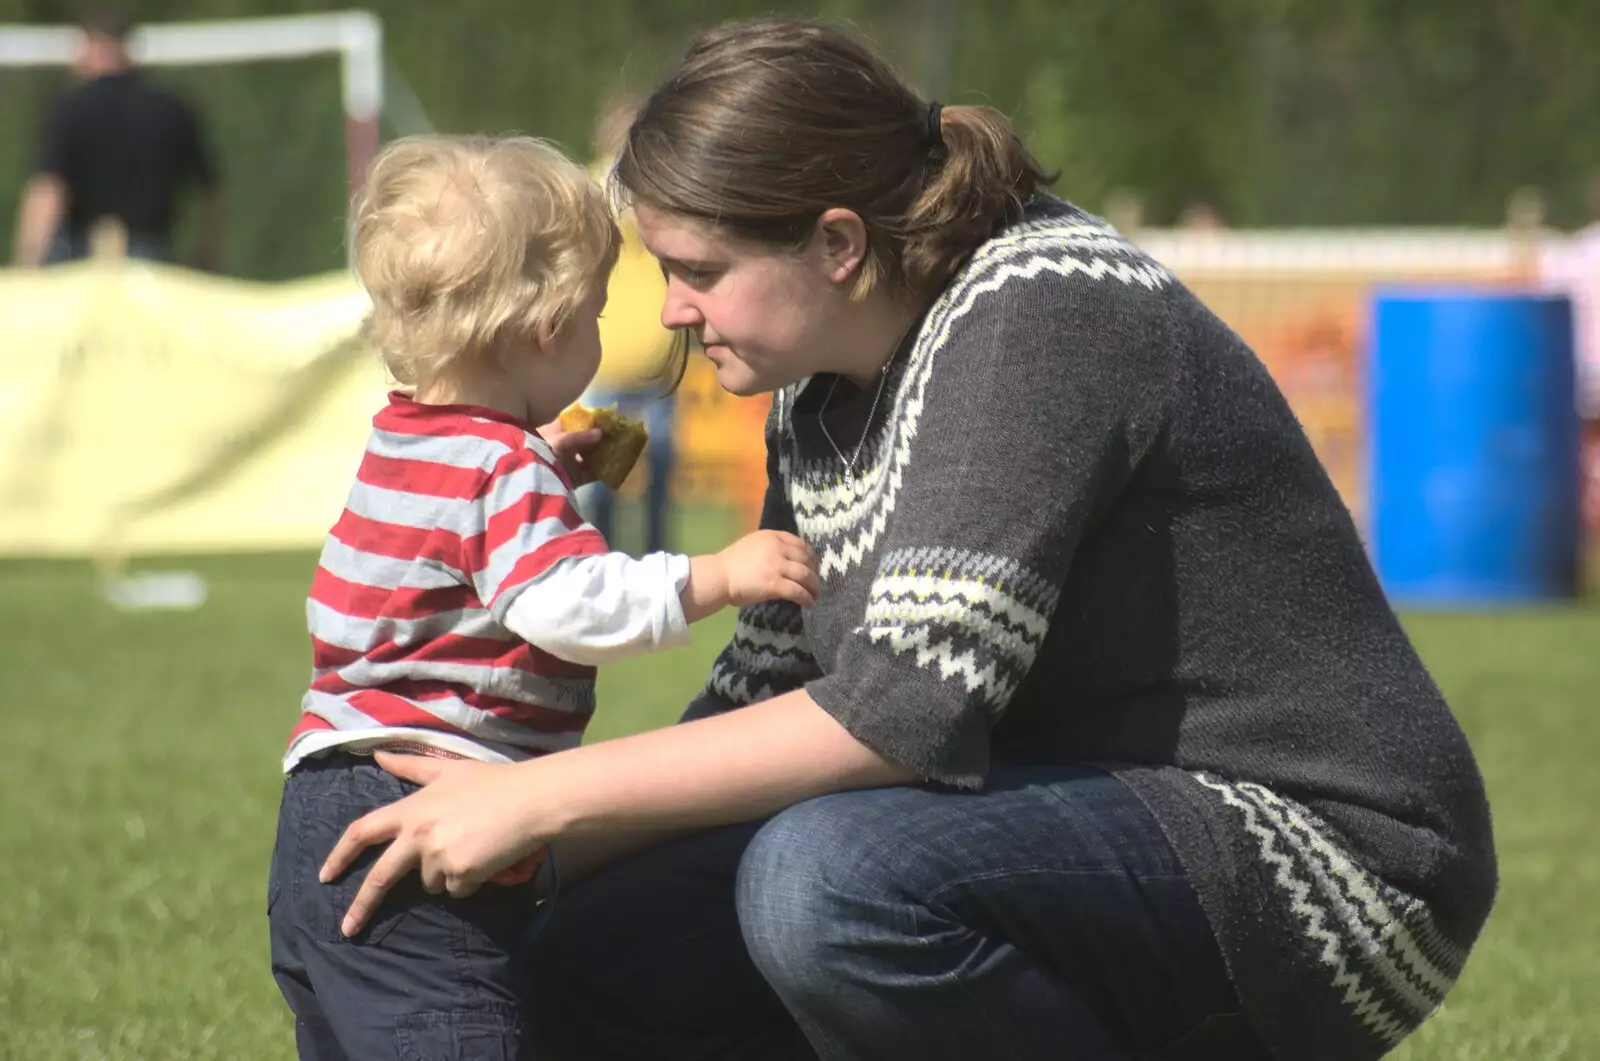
(473, 819)
(739, 766)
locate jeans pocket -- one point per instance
(483, 1033)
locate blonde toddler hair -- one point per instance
(463, 242)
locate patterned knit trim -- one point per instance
(767, 655)
(967, 616)
(1380, 948)
(845, 519)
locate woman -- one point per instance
(1101, 741)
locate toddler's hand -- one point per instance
(571, 447)
(771, 565)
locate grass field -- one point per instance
(138, 786)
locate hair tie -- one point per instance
(935, 124)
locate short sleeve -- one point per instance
(1034, 410)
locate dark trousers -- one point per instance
(72, 246)
(431, 977)
(1045, 917)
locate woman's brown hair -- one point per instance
(767, 123)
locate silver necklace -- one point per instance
(855, 455)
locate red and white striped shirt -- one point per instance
(426, 581)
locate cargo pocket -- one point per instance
(322, 907)
(486, 1033)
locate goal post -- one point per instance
(355, 37)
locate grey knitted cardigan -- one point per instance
(1086, 527)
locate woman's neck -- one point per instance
(876, 330)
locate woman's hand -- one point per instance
(470, 821)
(571, 446)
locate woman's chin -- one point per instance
(738, 380)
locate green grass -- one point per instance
(138, 786)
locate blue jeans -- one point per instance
(431, 977)
(1045, 917)
(597, 500)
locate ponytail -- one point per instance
(984, 178)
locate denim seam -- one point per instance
(460, 946)
(1152, 1052)
(961, 984)
(939, 893)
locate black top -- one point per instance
(1085, 527)
(124, 149)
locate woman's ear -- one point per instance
(841, 240)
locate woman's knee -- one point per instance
(819, 879)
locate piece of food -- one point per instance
(622, 440)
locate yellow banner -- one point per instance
(145, 408)
(149, 409)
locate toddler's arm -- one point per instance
(600, 608)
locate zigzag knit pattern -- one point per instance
(844, 520)
(965, 615)
(1068, 418)
(767, 655)
(1379, 948)
(969, 617)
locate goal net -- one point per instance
(290, 106)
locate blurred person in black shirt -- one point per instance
(116, 146)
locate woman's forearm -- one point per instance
(598, 802)
(579, 857)
(738, 766)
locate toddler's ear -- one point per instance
(514, 344)
(548, 331)
(545, 334)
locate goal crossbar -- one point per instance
(356, 37)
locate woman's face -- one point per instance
(766, 317)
